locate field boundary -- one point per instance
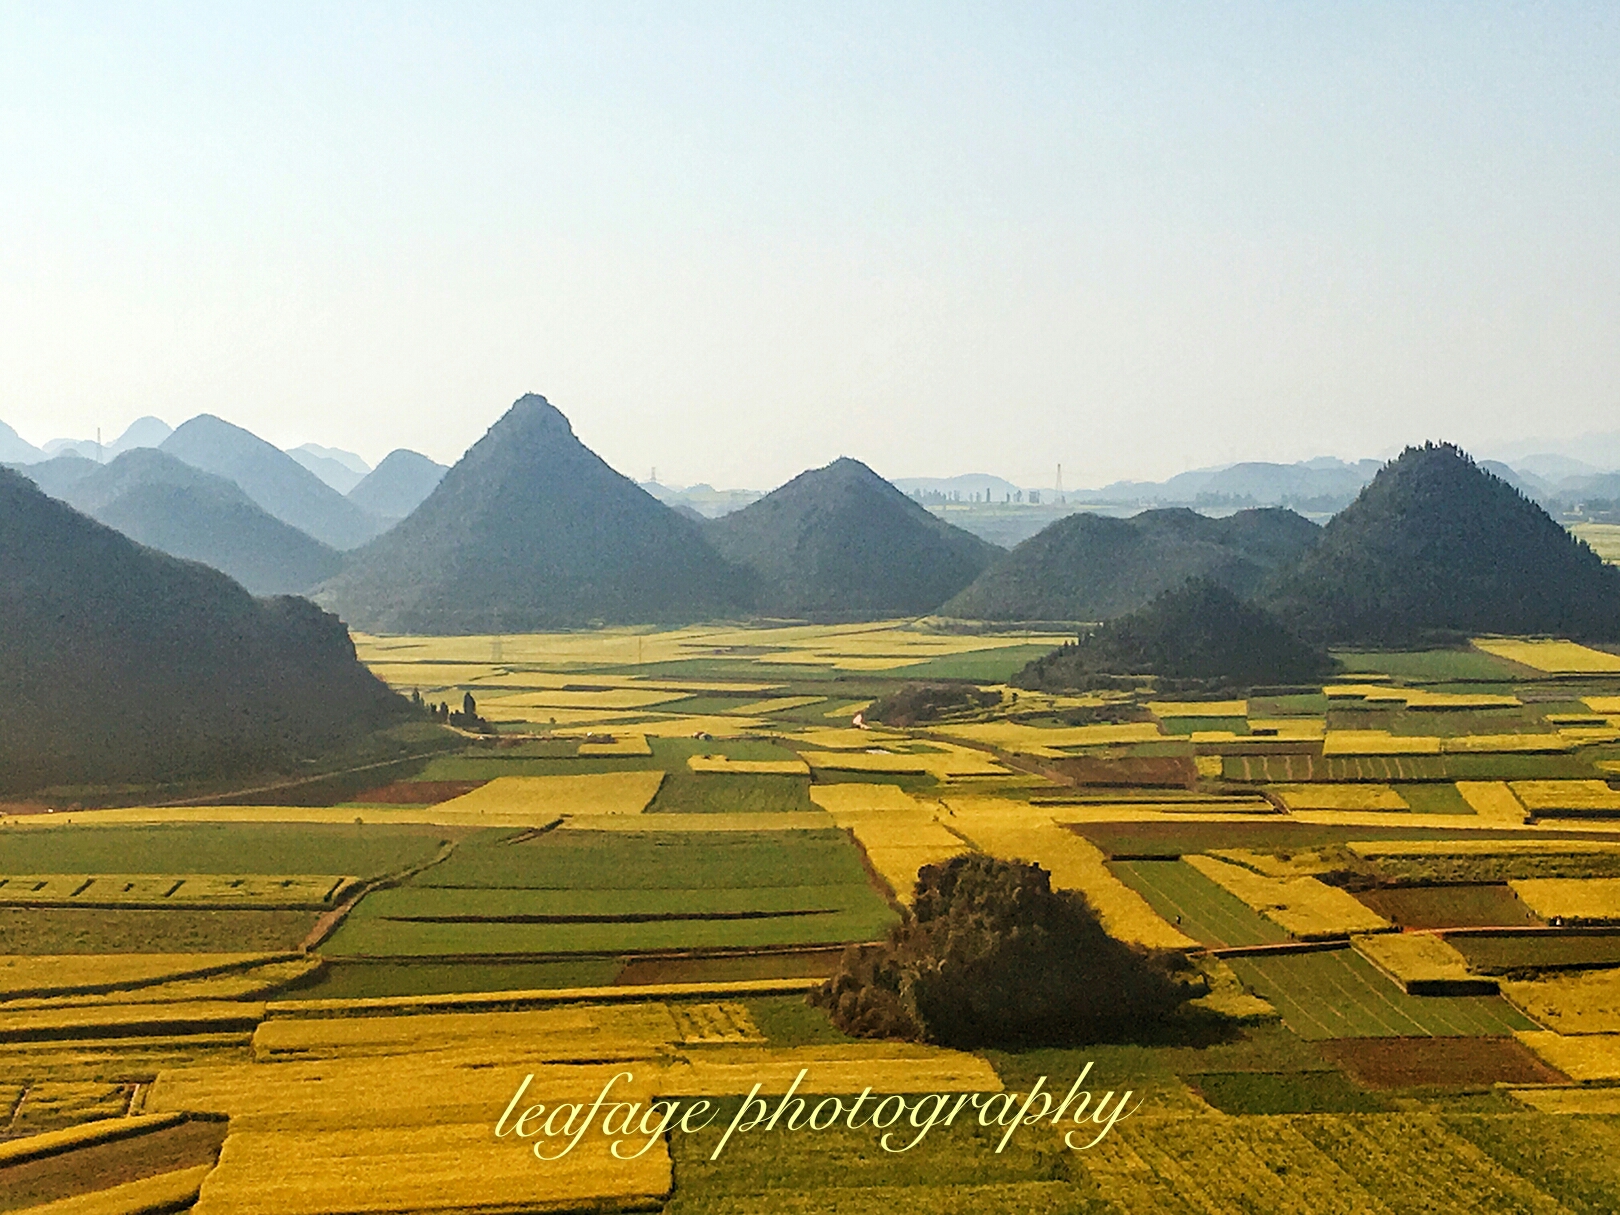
(534, 998)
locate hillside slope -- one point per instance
(123, 664)
(273, 479)
(1092, 567)
(842, 542)
(531, 530)
(165, 504)
(1199, 631)
(1437, 544)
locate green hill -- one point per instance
(1200, 631)
(122, 664)
(840, 542)
(1093, 567)
(531, 530)
(1435, 544)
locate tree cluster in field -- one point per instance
(990, 954)
(465, 718)
(1200, 636)
(919, 703)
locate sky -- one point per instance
(732, 241)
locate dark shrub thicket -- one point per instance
(992, 955)
(924, 702)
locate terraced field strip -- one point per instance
(1339, 994)
(1554, 797)
(1423, 964)
(1325, 796)
(64, 974)
(1553, 657)
(756, 767)
(1583, 1003)
(1576, 900)
(1584, 1058)
(1195, 905)
(299, 891)
(1306, 908)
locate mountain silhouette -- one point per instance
(1435, 544)
(531, 530)
(123, 664)
(841, 542)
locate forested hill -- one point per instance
(841, 542)
(531, 530)
(122, 664)
(1199, 631)
(1435, 544)
(1093, 567)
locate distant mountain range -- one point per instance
(168, 505)
(531, 530)
(273, 479)
(840, 541)
(1089, 567)
(398, 485)
(342, 470)
(122, 664)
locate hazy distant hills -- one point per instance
(123, 664)
(840, 541)
(398, 485)
(340, 469)
(1093, 567)
(273, 479)
(531, 530)
(1436, 543)
(159, 501)
(14, 449)
(702, 501)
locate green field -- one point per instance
(615, 860)
(1431, 666)
(234, 848)
(358, 980)
(1338, 994)
(983, 666)
(84, 930)
(1543, 951)
(727, 792)
(1196, 905)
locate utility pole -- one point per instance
(1059, 486)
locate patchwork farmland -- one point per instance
(1402, 887)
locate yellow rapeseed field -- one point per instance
(1574, 900)
(518, 801)
(942, 764)
(1339, 797)
(1492, 800)
(1198, 708)
(1508, 743)
(758, 767)
(1304, 906)
(1591, 1101)
(56, 974)
(1584, 1058)
(770, 820)
(1553, 657)
(623, 743)
(128, 1020)
(1416, 959)
(1582, 1002)
(1034, 740)
(1378, 742)
(1547, 796)
(854, 796)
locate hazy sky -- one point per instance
(734, 241)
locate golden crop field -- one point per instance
(622, 743)
(1038, 740)
(1304, 906)
(1577, 900)
(1492, 800)
(1338, 797)
(778, 704)
(1584, 1058)
(62, 974)
(1548, 796)
(756, 767)
(527, 801)
(1583, 1002)
(943, 763)
(1553, 657)
(855, 796)
(1378, 742)
(1418, 960)
(663, 824)
(170, 1191)
(1198, 708)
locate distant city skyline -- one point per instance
(736, 241)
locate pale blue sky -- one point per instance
(738, 240)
